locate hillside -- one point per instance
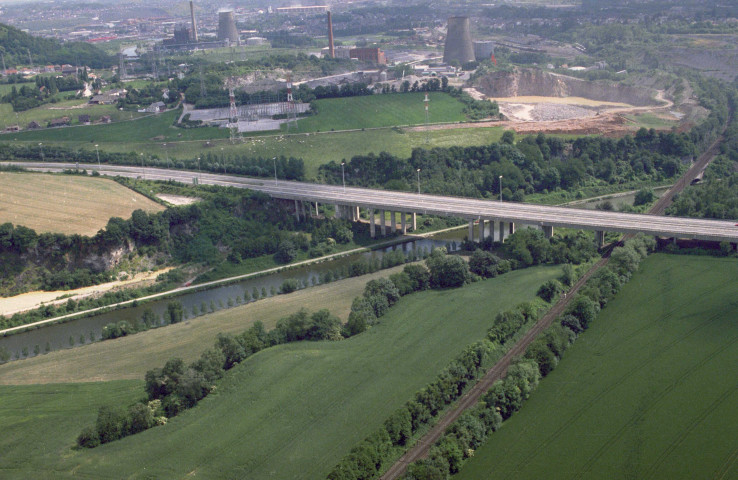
(16, 46)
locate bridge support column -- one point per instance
(372, 224)
(317, 212)
(600, 238)
(502, 231)
(302, 210)
(382, 223)
(512, 228)
(415, 222)
(357, 213)
(297, 210)
(403, 217)
(492, 230)
(393, 222)
(548, 230)
(481, 230)
(470, 236)
(337, 209)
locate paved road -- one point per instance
(716, 230)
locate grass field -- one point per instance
(65, 203)
(130, 357)
(288, 412)
(64, 108)
(650, 391)
(315, 149)
(650, 120)
(381, 111)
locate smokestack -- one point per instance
(458, 41)
(227, 27)
(331, 47)
(194, 23)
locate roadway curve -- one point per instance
(715, 230)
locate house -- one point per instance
(102, 99)
(84, 119)
(59, 122)
(156, 107)
(33, 124)
(67, 69)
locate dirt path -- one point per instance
(498, 371)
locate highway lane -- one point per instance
(438, 205)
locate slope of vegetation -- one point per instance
(294, 410)
(649, 391)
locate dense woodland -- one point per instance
(17, 46)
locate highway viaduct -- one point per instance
(404, 206)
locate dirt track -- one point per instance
(498, 371)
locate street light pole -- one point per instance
(418, 181)
(275, 169)
(198, 170)
(98, 156)
(343, 176)
(41, 149)
(500, 187)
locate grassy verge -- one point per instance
(294, 410)
(649, 391)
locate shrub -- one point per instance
(289, 286)
(550, 290)
(88, 438)
(419, 276)
(483, 263)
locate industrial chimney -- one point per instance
(458, 41)
(331, 47)
(227, 27)
(194, 23)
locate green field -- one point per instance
(65, 108)
(291, 411)
(381, 111)
(315, 149)
(649, 391)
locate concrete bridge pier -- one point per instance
(502, 231)
(403, 222)
(372, 223)
(393, 222)
(415, 222)
(548, 230)
(382, 223)
(355, 214)
(317, 212)
(492, 230)
(512, 228)
(600, 238)
(297, 210)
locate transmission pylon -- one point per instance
(291, 109)
(203, 92)
(233, 115)
(427, 130)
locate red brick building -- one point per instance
(373, 55)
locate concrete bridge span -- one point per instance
(400, 205)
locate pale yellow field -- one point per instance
(65, 203)
(586, 102)
(130, 357)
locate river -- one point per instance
(85, 330)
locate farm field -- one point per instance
(649, 391)
(130, 357)
(381, 111)
(65, 203)
(287, 412)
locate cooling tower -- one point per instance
(227, 27)
(458, 41)
(194, 23)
